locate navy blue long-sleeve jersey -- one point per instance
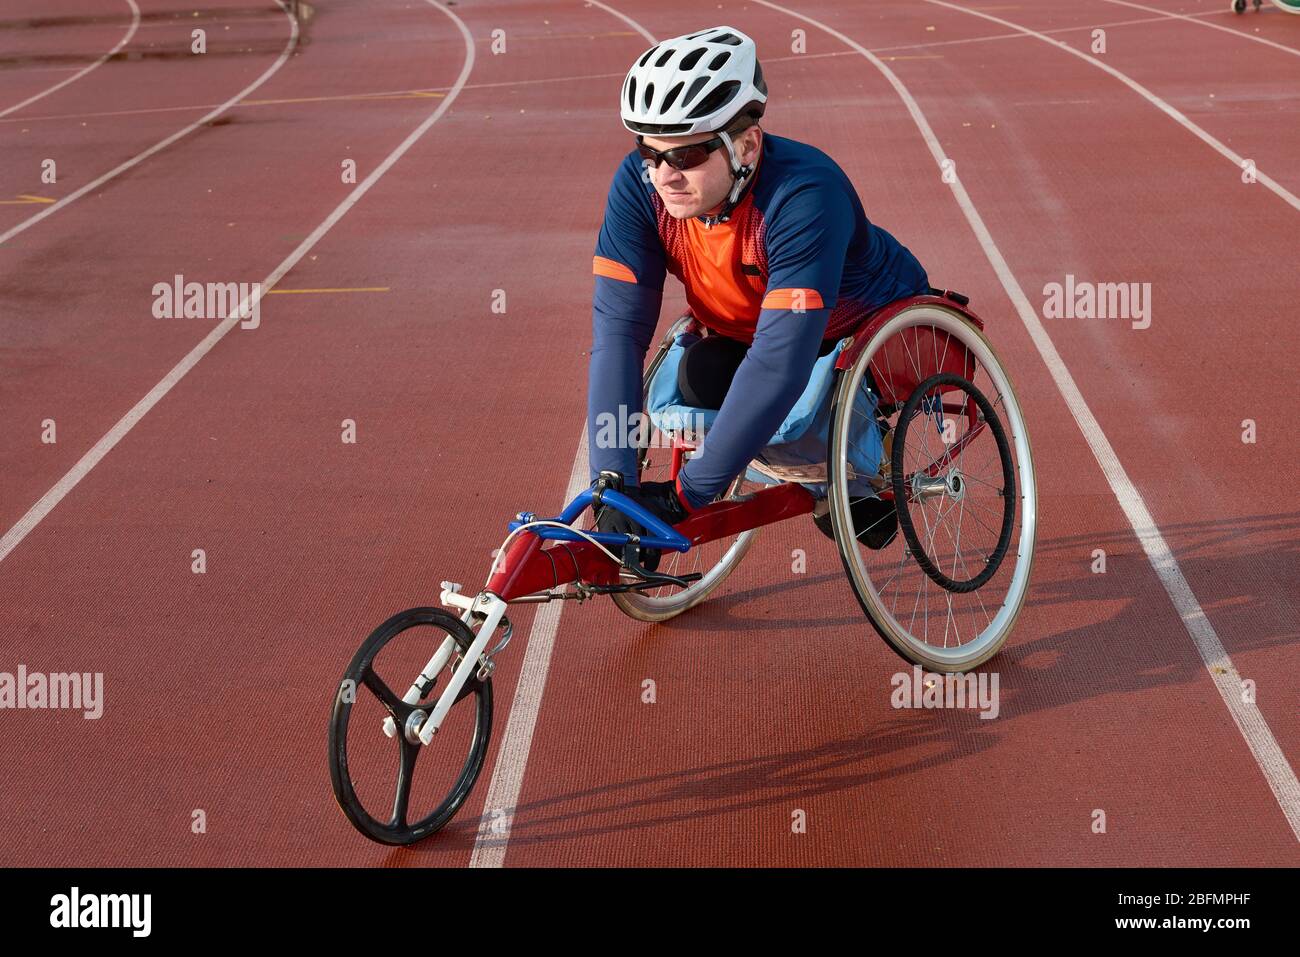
(796, 263)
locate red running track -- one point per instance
(774, 695)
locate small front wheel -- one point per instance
(371, 720)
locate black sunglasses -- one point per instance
(680, 157)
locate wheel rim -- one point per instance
(713, 560)
(939, 475)
(967, 630)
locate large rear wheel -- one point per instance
(946, 592)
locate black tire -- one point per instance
(397, 830)
(889, 584)
(905, 523)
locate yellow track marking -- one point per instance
(409, 95)
(354, 289)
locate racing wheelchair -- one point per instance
(913, 408)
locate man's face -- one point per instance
(702, 190)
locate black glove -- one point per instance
(658, 498)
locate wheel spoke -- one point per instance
(395, 705)
(405, 775)
(956, 541)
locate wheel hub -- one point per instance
(955, 485)
(414, 722)
(951, 483)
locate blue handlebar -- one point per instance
(660, 533)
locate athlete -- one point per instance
(778, 259)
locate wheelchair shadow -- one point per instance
(778, 780)
(1047, 663)
(1215, 559)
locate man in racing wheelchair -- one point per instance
(777, 257)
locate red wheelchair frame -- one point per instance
(531, 564)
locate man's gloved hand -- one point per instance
(660, 499)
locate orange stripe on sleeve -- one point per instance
(611, 269)
(800, 300)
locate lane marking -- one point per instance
(397, 94)
(157, 147)
(292, 292)
(502, 800)
(26, 200)
(124, 425)
(1254, 729)
(383, 95)
(563, 36)
(402, 95)
(126, 38)
(646, 34)
(1260, 176)
(1167, 15)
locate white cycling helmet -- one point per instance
(696, 83)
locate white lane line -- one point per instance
(626, 19)
(512, 760)
(141, 157)
(1166, 14)
(585, 77)
(377, 96)
(124, 425)
(135, 25)
(1259, 737)
(1237, 160)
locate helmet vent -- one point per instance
(648, 54)
(717, 62)
(672, 95)
(689, 61)
(667, 55)
(728, 38)
(696, 86)
(631, 94)
(715, 100)
(649, 94)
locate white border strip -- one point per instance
(135, 25)
(124, 425)
(1259, 737)
(141, 157)
(1289, 198)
